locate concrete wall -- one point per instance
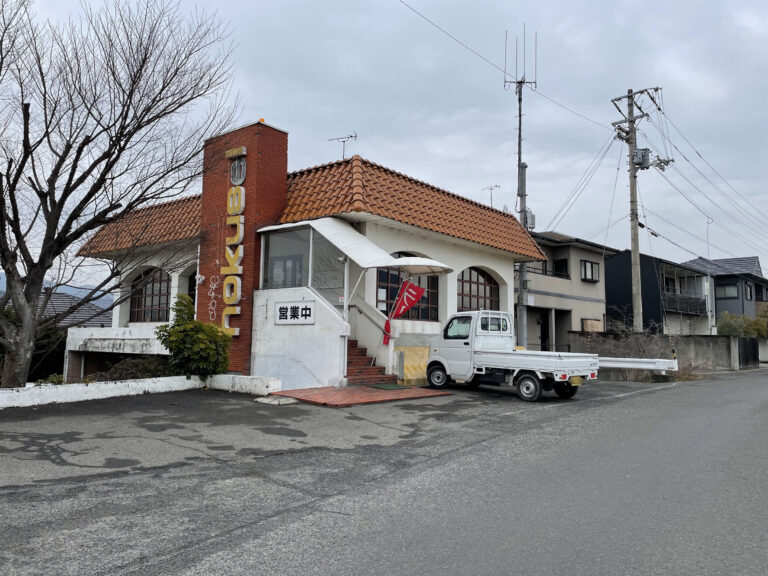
(301, 356)
(763, 350)
(694, 353)
(138, 338)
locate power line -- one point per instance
(600, 230)
(710, 166)
(757, 231)
(452, 37)
(496, 66)
(581, 184)
(692, 203)
(613, 196)
(689, 233)
(756, 221)
(564, 107)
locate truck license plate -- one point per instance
(576, 380)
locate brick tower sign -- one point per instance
(244, 189)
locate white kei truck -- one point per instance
(478, 347)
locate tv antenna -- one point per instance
(492, 187)
(520, 82)
(344, 140)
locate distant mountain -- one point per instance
(103, 302)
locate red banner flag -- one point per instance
(408, 296)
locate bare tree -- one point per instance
(98, 117)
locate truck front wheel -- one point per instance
(437, 377)
(528, 388)
(565, 391)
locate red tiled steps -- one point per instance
(360, 372)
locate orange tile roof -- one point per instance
(167, 222)
(347, 186)
(358, 185)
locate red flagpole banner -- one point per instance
(408, 296)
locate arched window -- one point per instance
(388, 283)
(477, 290)
(150, 296)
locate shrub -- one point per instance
(756, 327)
(730, 325)
(133, 368)
(196, 347)
(52, 379)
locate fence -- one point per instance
(694, 353)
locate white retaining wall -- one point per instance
(37, 395)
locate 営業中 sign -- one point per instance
(295, 312)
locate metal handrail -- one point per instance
(373, 321)
(552, 273)
(368, 316)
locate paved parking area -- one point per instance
(144, 432)
(205, 482)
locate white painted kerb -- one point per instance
(38, 395)
(62, 393)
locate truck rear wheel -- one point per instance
(565, 391)
(528, 388)
(436, 376)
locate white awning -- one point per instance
(360, 249)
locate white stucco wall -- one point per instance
(135, 339)
(124, 337)
(458, 254)
(300, 356)
(179, 261)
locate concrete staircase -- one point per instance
(359, 369)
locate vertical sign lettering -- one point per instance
(232, 269)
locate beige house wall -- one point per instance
(585, 300)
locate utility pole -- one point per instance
(709, 281)
(522, 293)
(637, 159)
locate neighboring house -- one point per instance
(299, 267)
(50, 353)
(566, 292)
(740, 287)
(86, 315)
(675, 296)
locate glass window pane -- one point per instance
(287, 255)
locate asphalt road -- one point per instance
(624, 479)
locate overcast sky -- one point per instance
(424, 105)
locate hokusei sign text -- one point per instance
(232, 269)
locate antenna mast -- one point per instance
(492, 187)
(344, 140)
(520, 82)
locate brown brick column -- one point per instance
(264, 189)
